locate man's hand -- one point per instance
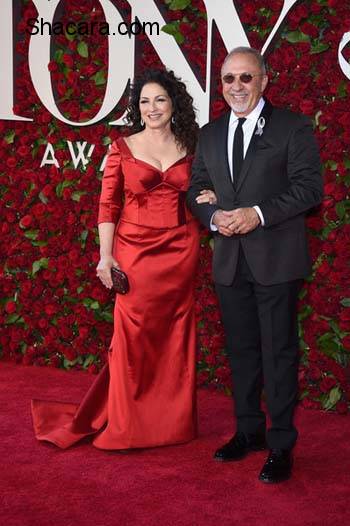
(243, 220)
(222, 221)
(238, 221)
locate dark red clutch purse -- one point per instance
(120, 281)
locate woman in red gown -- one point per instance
(145, 395)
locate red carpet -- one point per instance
(180, 486)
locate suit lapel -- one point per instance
(222, 170)
(266, 113)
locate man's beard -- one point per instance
(240, 107)
(242, 104)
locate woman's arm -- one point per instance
(107, 261)
(108, 214)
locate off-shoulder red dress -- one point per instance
(145, 395)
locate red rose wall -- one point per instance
(54, 310)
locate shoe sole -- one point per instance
(218, 459)
(275, 481)
(241, 457)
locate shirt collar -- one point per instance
(253, 115)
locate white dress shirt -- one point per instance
(248, 130)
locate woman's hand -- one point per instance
(103, 270)
(206, 196)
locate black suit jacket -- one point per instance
(281, 174)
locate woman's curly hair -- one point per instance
(184, 126)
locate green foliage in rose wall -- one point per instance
(54, 310)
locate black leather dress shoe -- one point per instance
(239, 446)
(278, 466)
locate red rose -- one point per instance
(315, 8)
(51, 309)
(314, 373)
(10, 307)
(84, 332)
(26, 221)
(324, 268)
(248, 14)
(26, 288)
(307, 107)
(61, 89)
(48, 190)
(11, 162)
(218, 107)
(66, 332)
(309, 29)
(346, 341)
(345, 315)
(43, 323)
(67, 60)
(327, 383)
(185, 29)
(202, 377)
(52, 66)
(211, 359)
(69, 353)
(223, 374)
(23, 151)
(335, 3)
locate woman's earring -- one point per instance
(142, 122)
(173, 119)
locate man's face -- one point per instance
(242, 97)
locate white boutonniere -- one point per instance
(260, 126)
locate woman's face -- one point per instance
(155, 106)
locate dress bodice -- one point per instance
(138, 192)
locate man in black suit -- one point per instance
(255, 174)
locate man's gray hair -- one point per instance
(245, 50)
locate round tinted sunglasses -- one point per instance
(245, 78)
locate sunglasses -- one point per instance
(245, 78)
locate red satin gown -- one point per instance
(145, 395)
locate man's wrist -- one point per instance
(260, 214)
(213, 226)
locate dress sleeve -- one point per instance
(110, 203)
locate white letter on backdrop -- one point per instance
(225, 15)
(6, 63)
(49, 151)
(120, 62)
(344, 65)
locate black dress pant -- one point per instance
(262, 342)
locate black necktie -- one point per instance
(238, 151)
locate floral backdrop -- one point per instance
(54, 310)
